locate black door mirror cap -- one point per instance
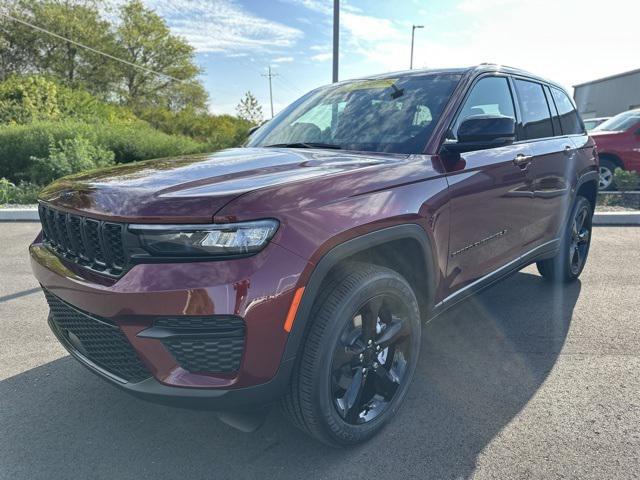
(480, 132)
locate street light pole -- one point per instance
(336, 38)
(413, 33)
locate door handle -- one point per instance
(522, 160)
(567, 150)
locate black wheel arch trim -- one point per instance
(591, 175)
(333, 257)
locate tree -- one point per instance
(24, 49)
(144, 39)
(249, 109)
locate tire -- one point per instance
(568, 264)
(607, 168)
(336, 359)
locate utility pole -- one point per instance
(270, 76)
(413, 33)
(336, 38)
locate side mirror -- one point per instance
(253, 129)
(479, 132)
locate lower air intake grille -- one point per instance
(96, 339)
(215, 355)
(204, 344)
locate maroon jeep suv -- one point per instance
(300, 268)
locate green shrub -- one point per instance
(626, 180)
(20, 144)
(139, 141)
(27, 99)
(217, 131)
(72, 155)
(23, 100)
(23, 193)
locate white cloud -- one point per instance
(282, 60)
(224, 26)
(322, 57)
(549, 37)
(475, 6)
(320, 6)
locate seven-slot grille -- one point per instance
(91, 243)
(97, 339)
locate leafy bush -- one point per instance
(626, 180)
(69, 156)
(48, 130)
(217, 131)
(21, 144)
(23, 193)
(27, 99)
(23, 100)
(139, 141)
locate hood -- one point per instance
(194, 188)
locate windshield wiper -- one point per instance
(305, 145)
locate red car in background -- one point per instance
(618, 141)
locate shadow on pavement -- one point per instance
(480, 364)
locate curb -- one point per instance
(600, 218)
(19, 215)
(616, 218)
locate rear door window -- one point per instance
(536, 117)
(569, 118)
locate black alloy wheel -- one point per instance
(358, 357)
(580, 239)
(370, 361)
(568, 264)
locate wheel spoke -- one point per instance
(393, 333)
(350, 403)
(352, 341)
(370, 314)
(578, 257)
(580, 220)
(386, 384)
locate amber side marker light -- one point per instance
(293, 309)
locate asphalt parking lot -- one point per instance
(524, 381)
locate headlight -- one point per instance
(205, 240)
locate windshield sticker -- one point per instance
(368, 85)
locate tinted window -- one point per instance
(490, 96)
(557, 130)
(536, 119)
(569, 118)
(394, 115)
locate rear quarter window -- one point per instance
(569, 118)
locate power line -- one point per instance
(60, 37)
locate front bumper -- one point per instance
(257, 289)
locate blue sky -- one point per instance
(570, 41)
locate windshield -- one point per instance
(620, 122)
(394, 115)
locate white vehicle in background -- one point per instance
(591, 123)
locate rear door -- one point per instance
(552, 163)
(490, 193)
